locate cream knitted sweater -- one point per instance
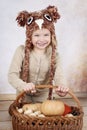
(39, 70)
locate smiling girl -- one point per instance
(38, 62)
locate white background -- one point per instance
(71, 31)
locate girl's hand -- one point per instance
(30, 88)
(61, 90)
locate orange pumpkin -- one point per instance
(52, 107)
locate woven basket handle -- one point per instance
(51, 86)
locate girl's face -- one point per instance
(41, 38)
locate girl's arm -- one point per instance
(14, 72)
(59, 79)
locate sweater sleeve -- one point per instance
(15, 69)
(59, 78)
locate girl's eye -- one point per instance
(36, 35)
(29, 20)
(48, 17)
(46, 34)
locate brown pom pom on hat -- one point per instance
(33, 21)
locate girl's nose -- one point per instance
(41, 38)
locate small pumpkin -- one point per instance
(52, 107)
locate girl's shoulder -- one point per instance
(21, 47)
(49, 52)
(20, 50)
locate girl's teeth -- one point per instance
(41, 44)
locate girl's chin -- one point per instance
(41, 47)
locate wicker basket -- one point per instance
(24, 122)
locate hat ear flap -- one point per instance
(54, 13)
(22, 18)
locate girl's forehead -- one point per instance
(43, 30)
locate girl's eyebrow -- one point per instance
(35, 33)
